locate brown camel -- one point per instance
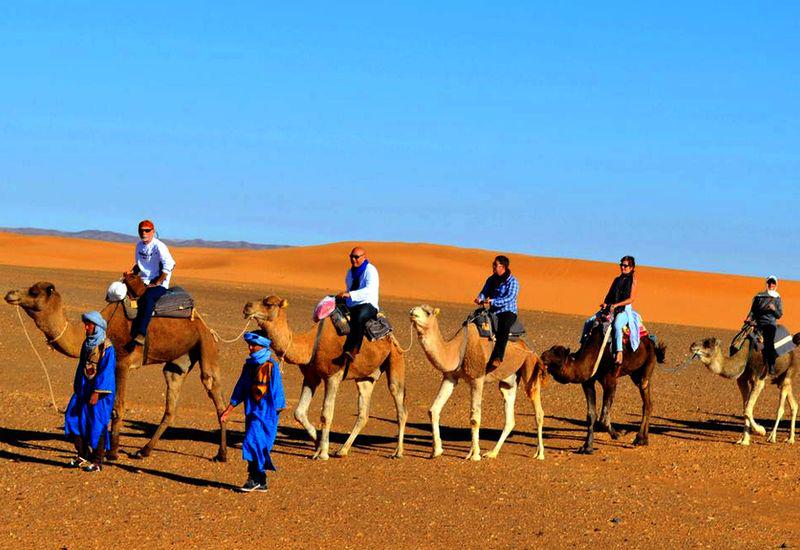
(313, 352)
(582, 367)
(179, 344)
(746, 367)
(464, 357)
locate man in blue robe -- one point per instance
(261, 389)
(89, 410)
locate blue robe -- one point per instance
(90, 422)
(261, 416)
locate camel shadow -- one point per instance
(17, 457)
(22, 439)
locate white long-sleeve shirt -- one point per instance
(153, 259)
(368, 293)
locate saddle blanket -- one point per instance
(486, 323)
(176, 303)
(783, 341)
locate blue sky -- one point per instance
(587, 130)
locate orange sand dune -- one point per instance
(428, 273)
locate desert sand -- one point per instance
(432, 273)
(692, 487)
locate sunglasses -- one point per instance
(355, 257)
(145, 230)
(624, 265)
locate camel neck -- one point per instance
(727, 366)
(61, 335)
(444, 355)
(288, 345)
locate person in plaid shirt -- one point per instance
(499, 294)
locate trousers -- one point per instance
(359, 315)
(505, 320)
(144, 311)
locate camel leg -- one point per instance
(301, 411)
(609, 385)
(174, 379)
(537, 405)
(118, 413)
(745, 385)
(785, 389)
(365, 388)
(793, 407)
(212, 382)
(508, 388)
(749, 423)
(591, 414)
(445, 391)
(476, 395)
(395, 377)
(331, 387)
(642, 438)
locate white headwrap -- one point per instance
(773, 293)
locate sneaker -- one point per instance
(78, 462)
(92, 468)
(252, 485)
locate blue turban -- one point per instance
(96, 338)
(256, 338)
(258, 357)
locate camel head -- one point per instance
(706, 350)
(265, 311)
(554, 360)
(423, 318)
(39, 300)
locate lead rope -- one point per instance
(41, 361)
(410, 344)
(216, 335)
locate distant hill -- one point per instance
(113, 237)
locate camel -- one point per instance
(746, 367)
(179, 344)
(583, 367)
(313, 352)
(464, 357)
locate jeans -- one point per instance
(359, 315)
(620, 321)
(144, 311)
(768, 332)
(505, 321)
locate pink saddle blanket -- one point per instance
(324, 308)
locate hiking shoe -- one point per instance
(252, 485)
(92, 468)
(138, 340)
(78, 462)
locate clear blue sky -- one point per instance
(585, 130)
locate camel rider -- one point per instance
(361, 298)
(154, 264)
(765, 311)
(500, 293)
(618, 300)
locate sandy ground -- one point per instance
(692, 487)
(432, 273)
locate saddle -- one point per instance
(605, 321)
(175, 304)
(486, 323)
(783, 339)
(375, 329)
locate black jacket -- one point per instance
(765, 309)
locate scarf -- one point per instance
(260, 363)
(358, 273)
(494, 282)
(98, 336)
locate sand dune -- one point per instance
(427, 273)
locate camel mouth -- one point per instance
(13, 298)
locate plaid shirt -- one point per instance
(505, 297)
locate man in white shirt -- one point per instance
(361, 297)
(154, 264)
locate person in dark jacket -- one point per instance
(500, 293)
(765, 311)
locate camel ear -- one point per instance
(284, 303)
(436, 311)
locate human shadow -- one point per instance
(22, 439)
(188, 480)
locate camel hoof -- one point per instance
(759, 429)
(341, 453)
(640, 442)
(539, 455)
(436, 453)
(490, 454)
(585, 450)
(743, 442)
(141, 454)
(772, 438)
(320, 456)
(220, 457)
(790, 441)
(473, 456)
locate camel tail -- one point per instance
(532, 370)
(661, 352)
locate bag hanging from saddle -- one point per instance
(377, 328)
